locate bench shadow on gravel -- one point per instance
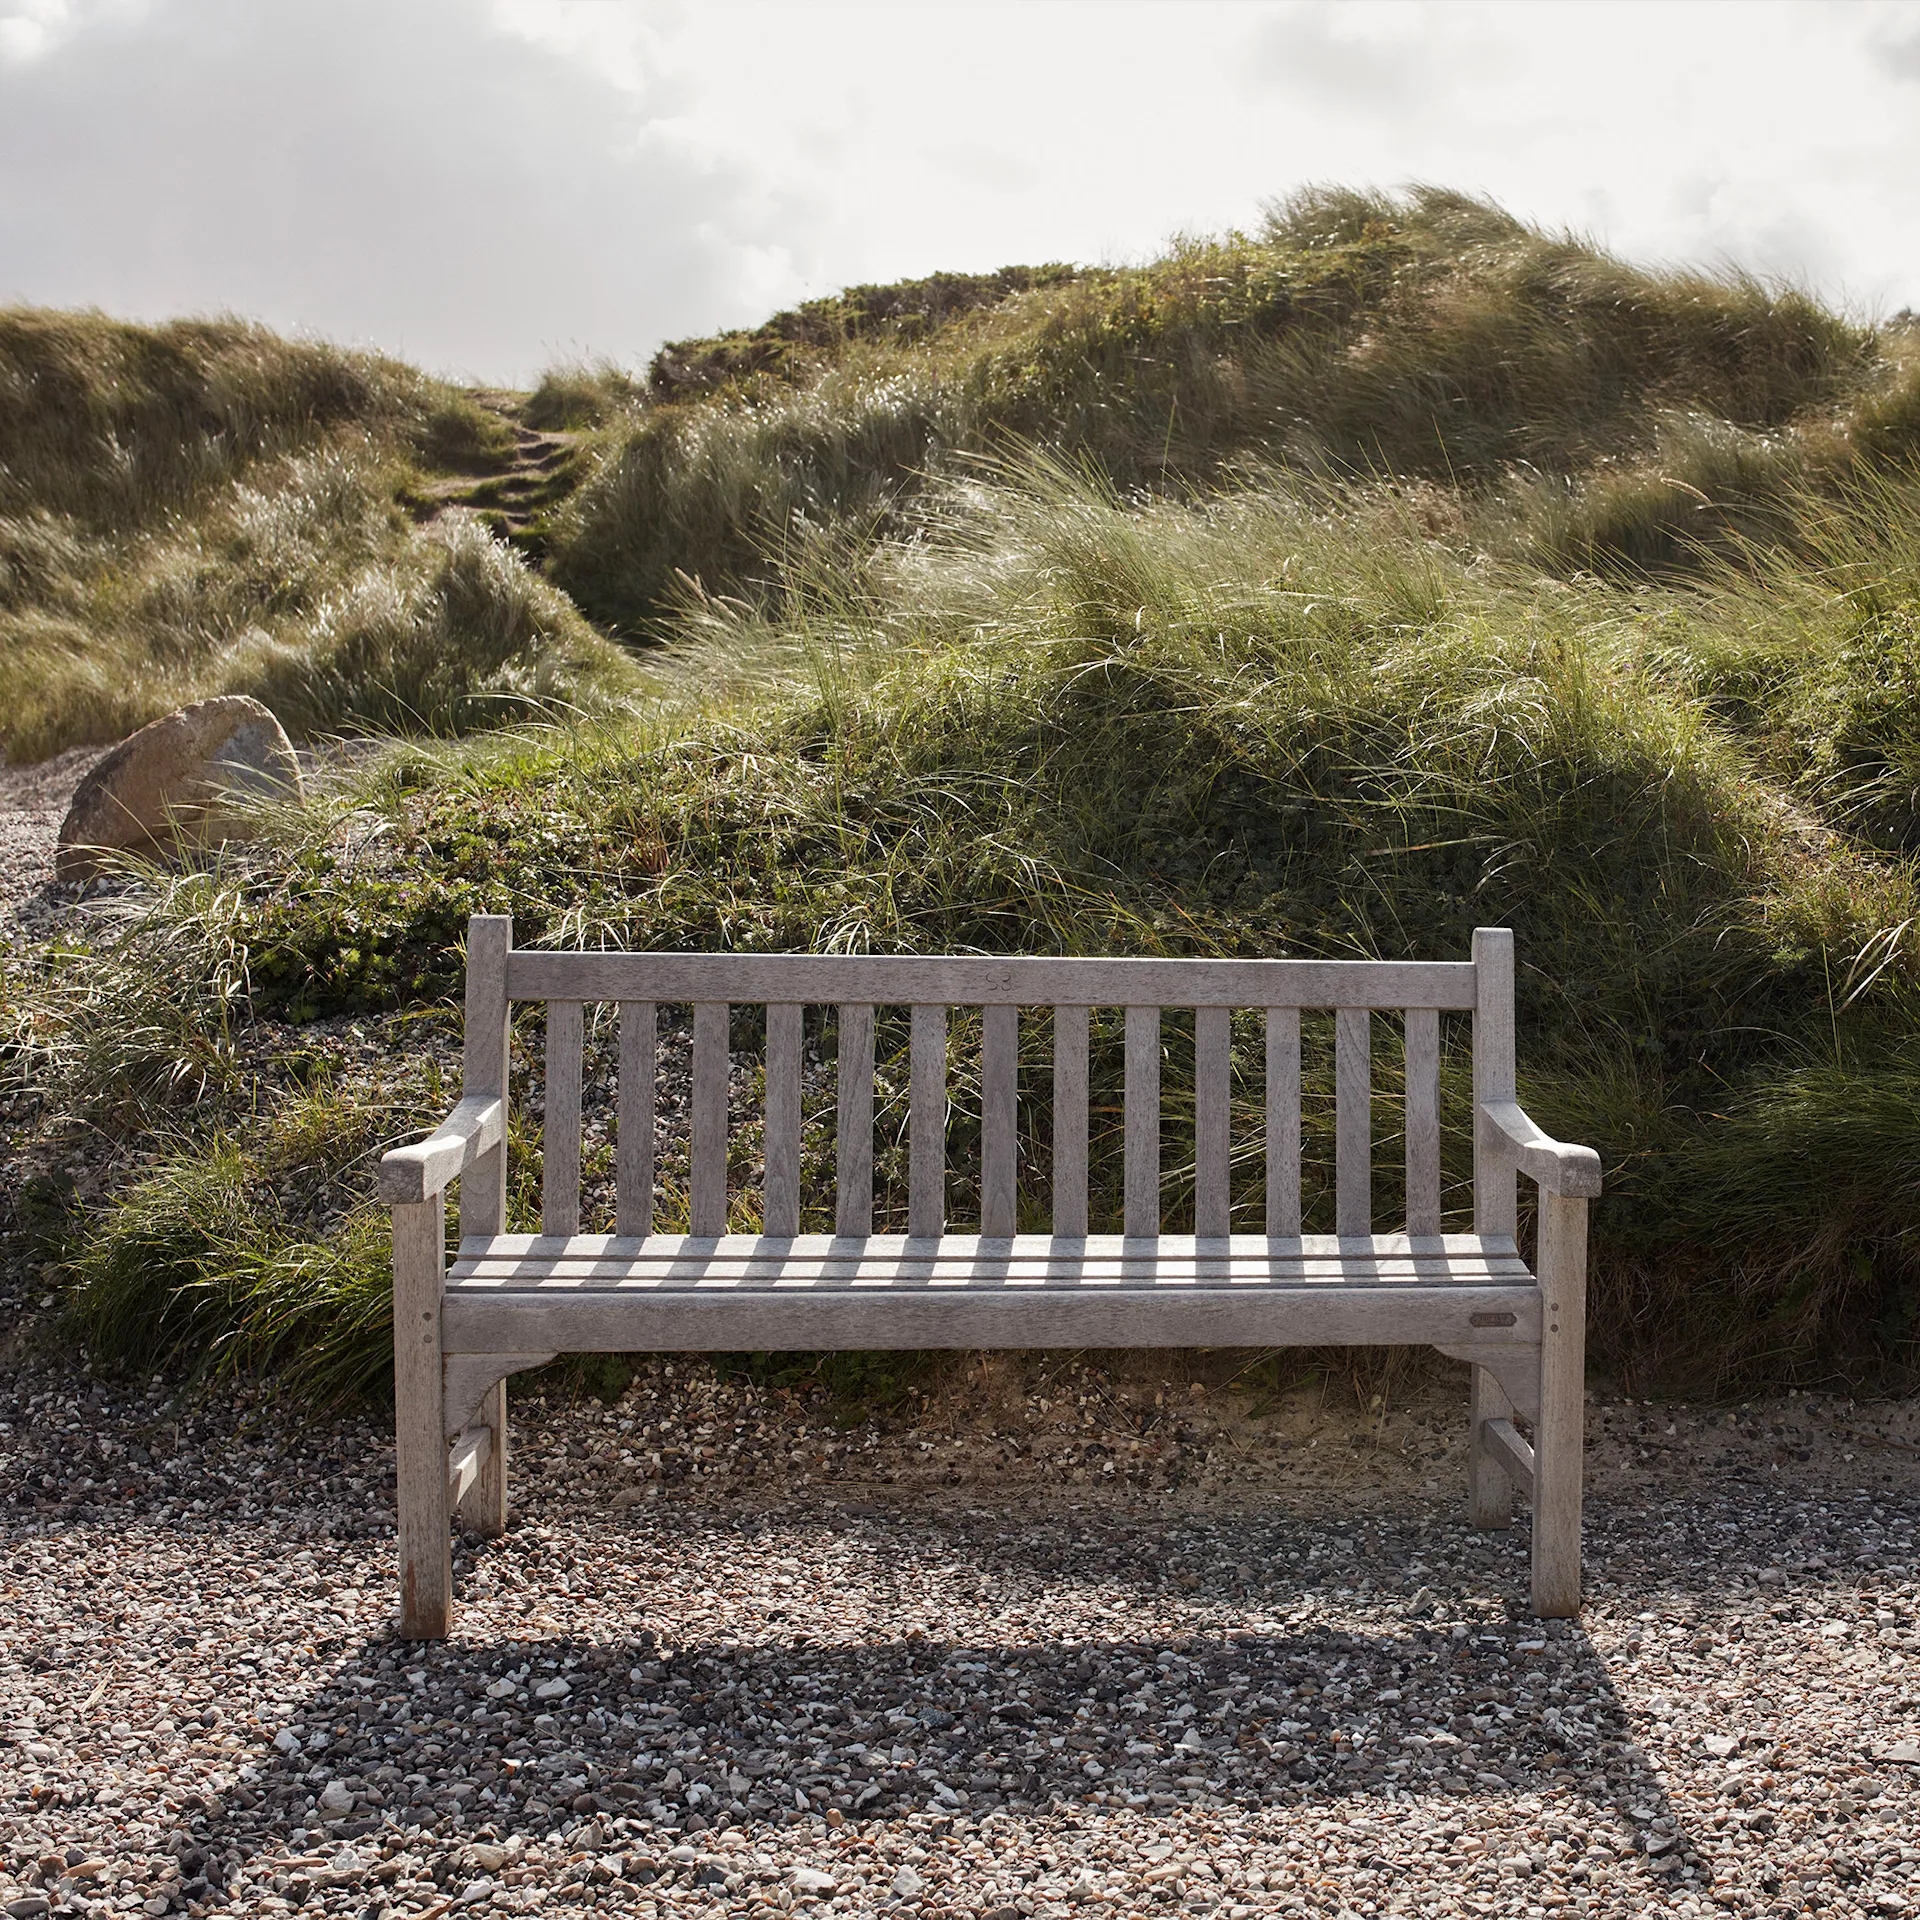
(956, 1710)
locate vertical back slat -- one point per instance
(999, 1094)
(927, 1123)
(1212, 1096)
(780, 1196)
(1141, 1117)
(1070, 1120)
(633, 1151)
(1352, 1121)
(1283, 1120)
(709, 1143)
(483, 1187)
(560, 1133)
(1495, 1209)
(853, 1145)
(1423, 1120)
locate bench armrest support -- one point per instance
(414, 1173)
(1573, 1172)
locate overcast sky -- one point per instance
(488, 186)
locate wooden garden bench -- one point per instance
(512, 1301)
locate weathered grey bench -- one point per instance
(513, 1301)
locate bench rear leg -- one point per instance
(1489, 1491)
(419, 1412)
(483, 1509)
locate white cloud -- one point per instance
(390, 174)
(617, 43)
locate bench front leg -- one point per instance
(1559, 1435)
(419, 1417)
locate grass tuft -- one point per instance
(189, 1270)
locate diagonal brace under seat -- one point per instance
(467, 1378)
(1517, 1368)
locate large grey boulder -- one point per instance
(173, 785)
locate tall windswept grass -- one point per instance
(113, 426)
(576, 395)
(1818, 654)
(455, 634)
(1333, 589)
(204, 508)
(1422, 335)
(795, 345)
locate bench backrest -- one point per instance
(931, 986)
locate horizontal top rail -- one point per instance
(969, 980)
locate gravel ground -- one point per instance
(33, 802)
(732, 1658)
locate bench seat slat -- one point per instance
(667, 1263)
(702, 1270)
(904, 1282)
(1488, 1317)
(964, 1246)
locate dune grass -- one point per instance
(1330, 590)
(1266, 722)
(204, 508)
(578, 395)
(1429, 335)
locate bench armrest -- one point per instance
(411, 1174)
(1557, 1167)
